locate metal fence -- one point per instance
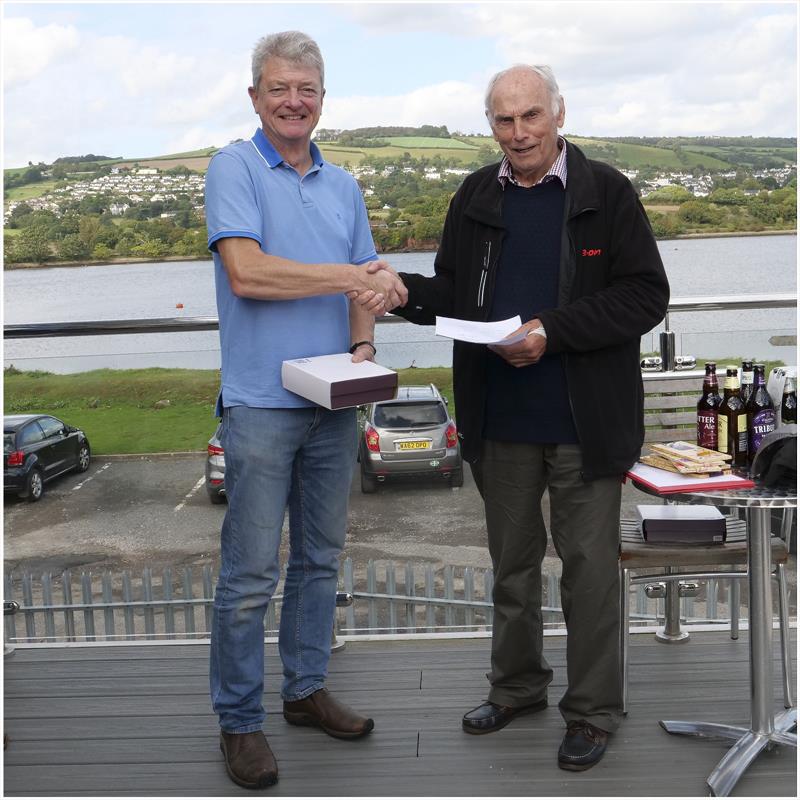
(388, 599)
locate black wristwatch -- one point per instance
(354, 347)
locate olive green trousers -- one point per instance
(584, 526)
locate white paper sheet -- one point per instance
(479, 332)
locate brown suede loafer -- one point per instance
(248, 759)
(489, 717)
(322, 710)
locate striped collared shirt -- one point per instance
(557, 170)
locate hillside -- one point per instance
(98, 208)
(709, 154)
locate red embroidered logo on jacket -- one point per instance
(594, 252)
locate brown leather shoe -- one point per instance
(321, 710)
(248, 759)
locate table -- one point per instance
(766, 728)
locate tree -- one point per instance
(88, 229)
(32, 245)
(699, 213)
(73, 248)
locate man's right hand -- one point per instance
(379, 278)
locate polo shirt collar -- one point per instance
(273, 157)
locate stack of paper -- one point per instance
(688, 459)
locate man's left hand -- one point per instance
(525, 352)
(363, 353)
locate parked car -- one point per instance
(215, 468)
(412, 435)
(38, 448)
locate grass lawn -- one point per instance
(116, 408)
(428, 141)
(29, 190)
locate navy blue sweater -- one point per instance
(528, 404)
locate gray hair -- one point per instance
(290, 45)
(542, 71)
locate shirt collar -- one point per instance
(558, 169)
(273, 157)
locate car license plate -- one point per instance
(413, 445)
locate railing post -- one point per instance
(666, 341)
(108, 613)
(49, 612)
(88, 613)
(188, 606)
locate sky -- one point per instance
(138, 79)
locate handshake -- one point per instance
(380, 289)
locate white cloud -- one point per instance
(455, 104)
(28, 51)
(141, 85)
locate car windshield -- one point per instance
(410, 415)
(8, 443)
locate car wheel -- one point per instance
(217, 498)
(84, 458)
(368, 484)
(457, 478)
(34, 486)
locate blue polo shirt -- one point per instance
(317, 218)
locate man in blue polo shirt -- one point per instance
(290, 239)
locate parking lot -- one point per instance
(126, 513)
(131, 512)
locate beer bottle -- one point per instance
(732, 420)
(707, 408)
(789, 402)
(760, 413)
(747, 381)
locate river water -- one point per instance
(695, 267)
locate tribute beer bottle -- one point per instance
(789, 403)
(707, 409)
(747, 381)
(760, 413)
(732, 420)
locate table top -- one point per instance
(759, 496)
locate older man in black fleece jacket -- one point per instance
(564, 242)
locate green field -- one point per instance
(29, 190)
(116, 407)
(434, 142)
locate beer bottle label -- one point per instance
(722, 434)
(763, 423)
(707, 429)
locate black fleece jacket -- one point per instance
(612, 290)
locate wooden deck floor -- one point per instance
(135, 720)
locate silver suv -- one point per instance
(412, 435)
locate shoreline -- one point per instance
(167, 259)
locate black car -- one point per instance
(36, 449)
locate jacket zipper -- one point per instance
(484, 273)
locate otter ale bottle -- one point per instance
(707, 409)
(747, 381)
(760, 413)
(789, 403)
(732, 420)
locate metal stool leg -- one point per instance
(624, 632)
(672, 633)
(786, 652)
(735, 608)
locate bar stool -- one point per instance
(677, 563)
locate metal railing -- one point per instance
(38, 330)
(384, 598)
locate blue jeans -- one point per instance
(303, 458)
